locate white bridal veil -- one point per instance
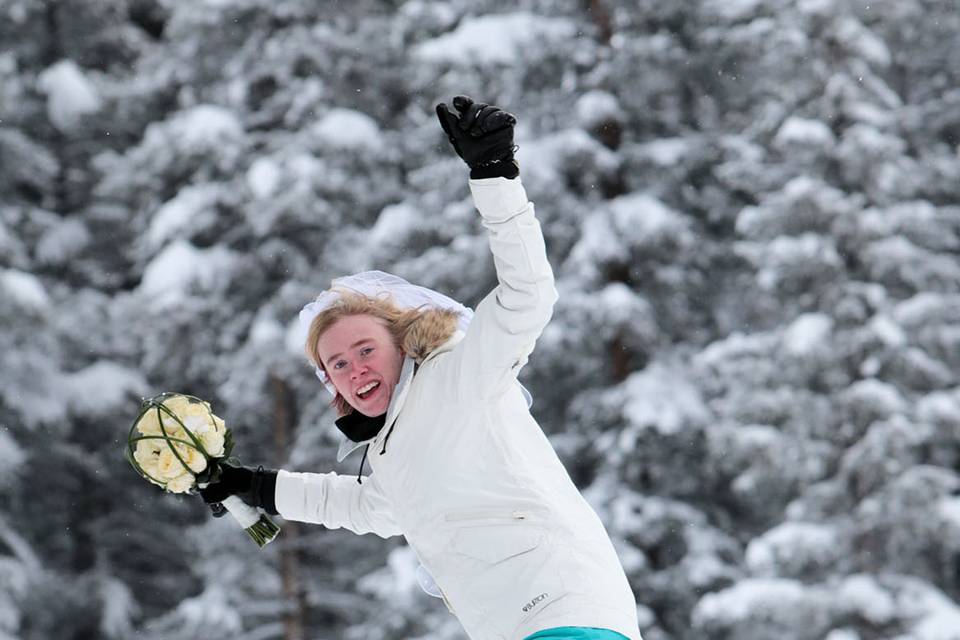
(379, 284)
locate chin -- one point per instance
(373, 411)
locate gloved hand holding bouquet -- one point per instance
(177, 443)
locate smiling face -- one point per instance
(362, 361)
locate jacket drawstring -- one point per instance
(416, 367)
(387, 437)
(362, 460)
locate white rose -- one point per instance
(173, 426)
(193, 415)
(184, 407)
(195, 460)
(213, 443)
(149, 424)
(170, 466)
(181, 484)
(147, 455)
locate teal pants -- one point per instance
(576, 633)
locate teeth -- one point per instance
(367, 387)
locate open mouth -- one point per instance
(368, 390)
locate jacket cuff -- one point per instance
(265, 490)
(288, 494)
(498, 199)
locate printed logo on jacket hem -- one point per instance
(530, 605)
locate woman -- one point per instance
(459, 466)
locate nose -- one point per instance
(356, 370)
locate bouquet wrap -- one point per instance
(177, 442)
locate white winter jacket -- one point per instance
(467, 476)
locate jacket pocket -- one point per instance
(508, 567)
(493, 544)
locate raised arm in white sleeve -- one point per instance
(509, 320)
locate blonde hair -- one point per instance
(399, 323)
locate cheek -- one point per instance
(379, 366)
(395, 364)
(340, 381)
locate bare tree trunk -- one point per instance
(601, 18)
(620, 359)
(284, 419)
(53, 52)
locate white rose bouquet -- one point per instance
(176, 442)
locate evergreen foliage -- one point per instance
(751, 209)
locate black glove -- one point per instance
(482, 135)
(256, 487)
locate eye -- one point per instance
(366, 351)
(339, 364)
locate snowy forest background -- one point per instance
(753, 372)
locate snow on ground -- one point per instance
(500, 38)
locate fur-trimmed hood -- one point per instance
(429, 332)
